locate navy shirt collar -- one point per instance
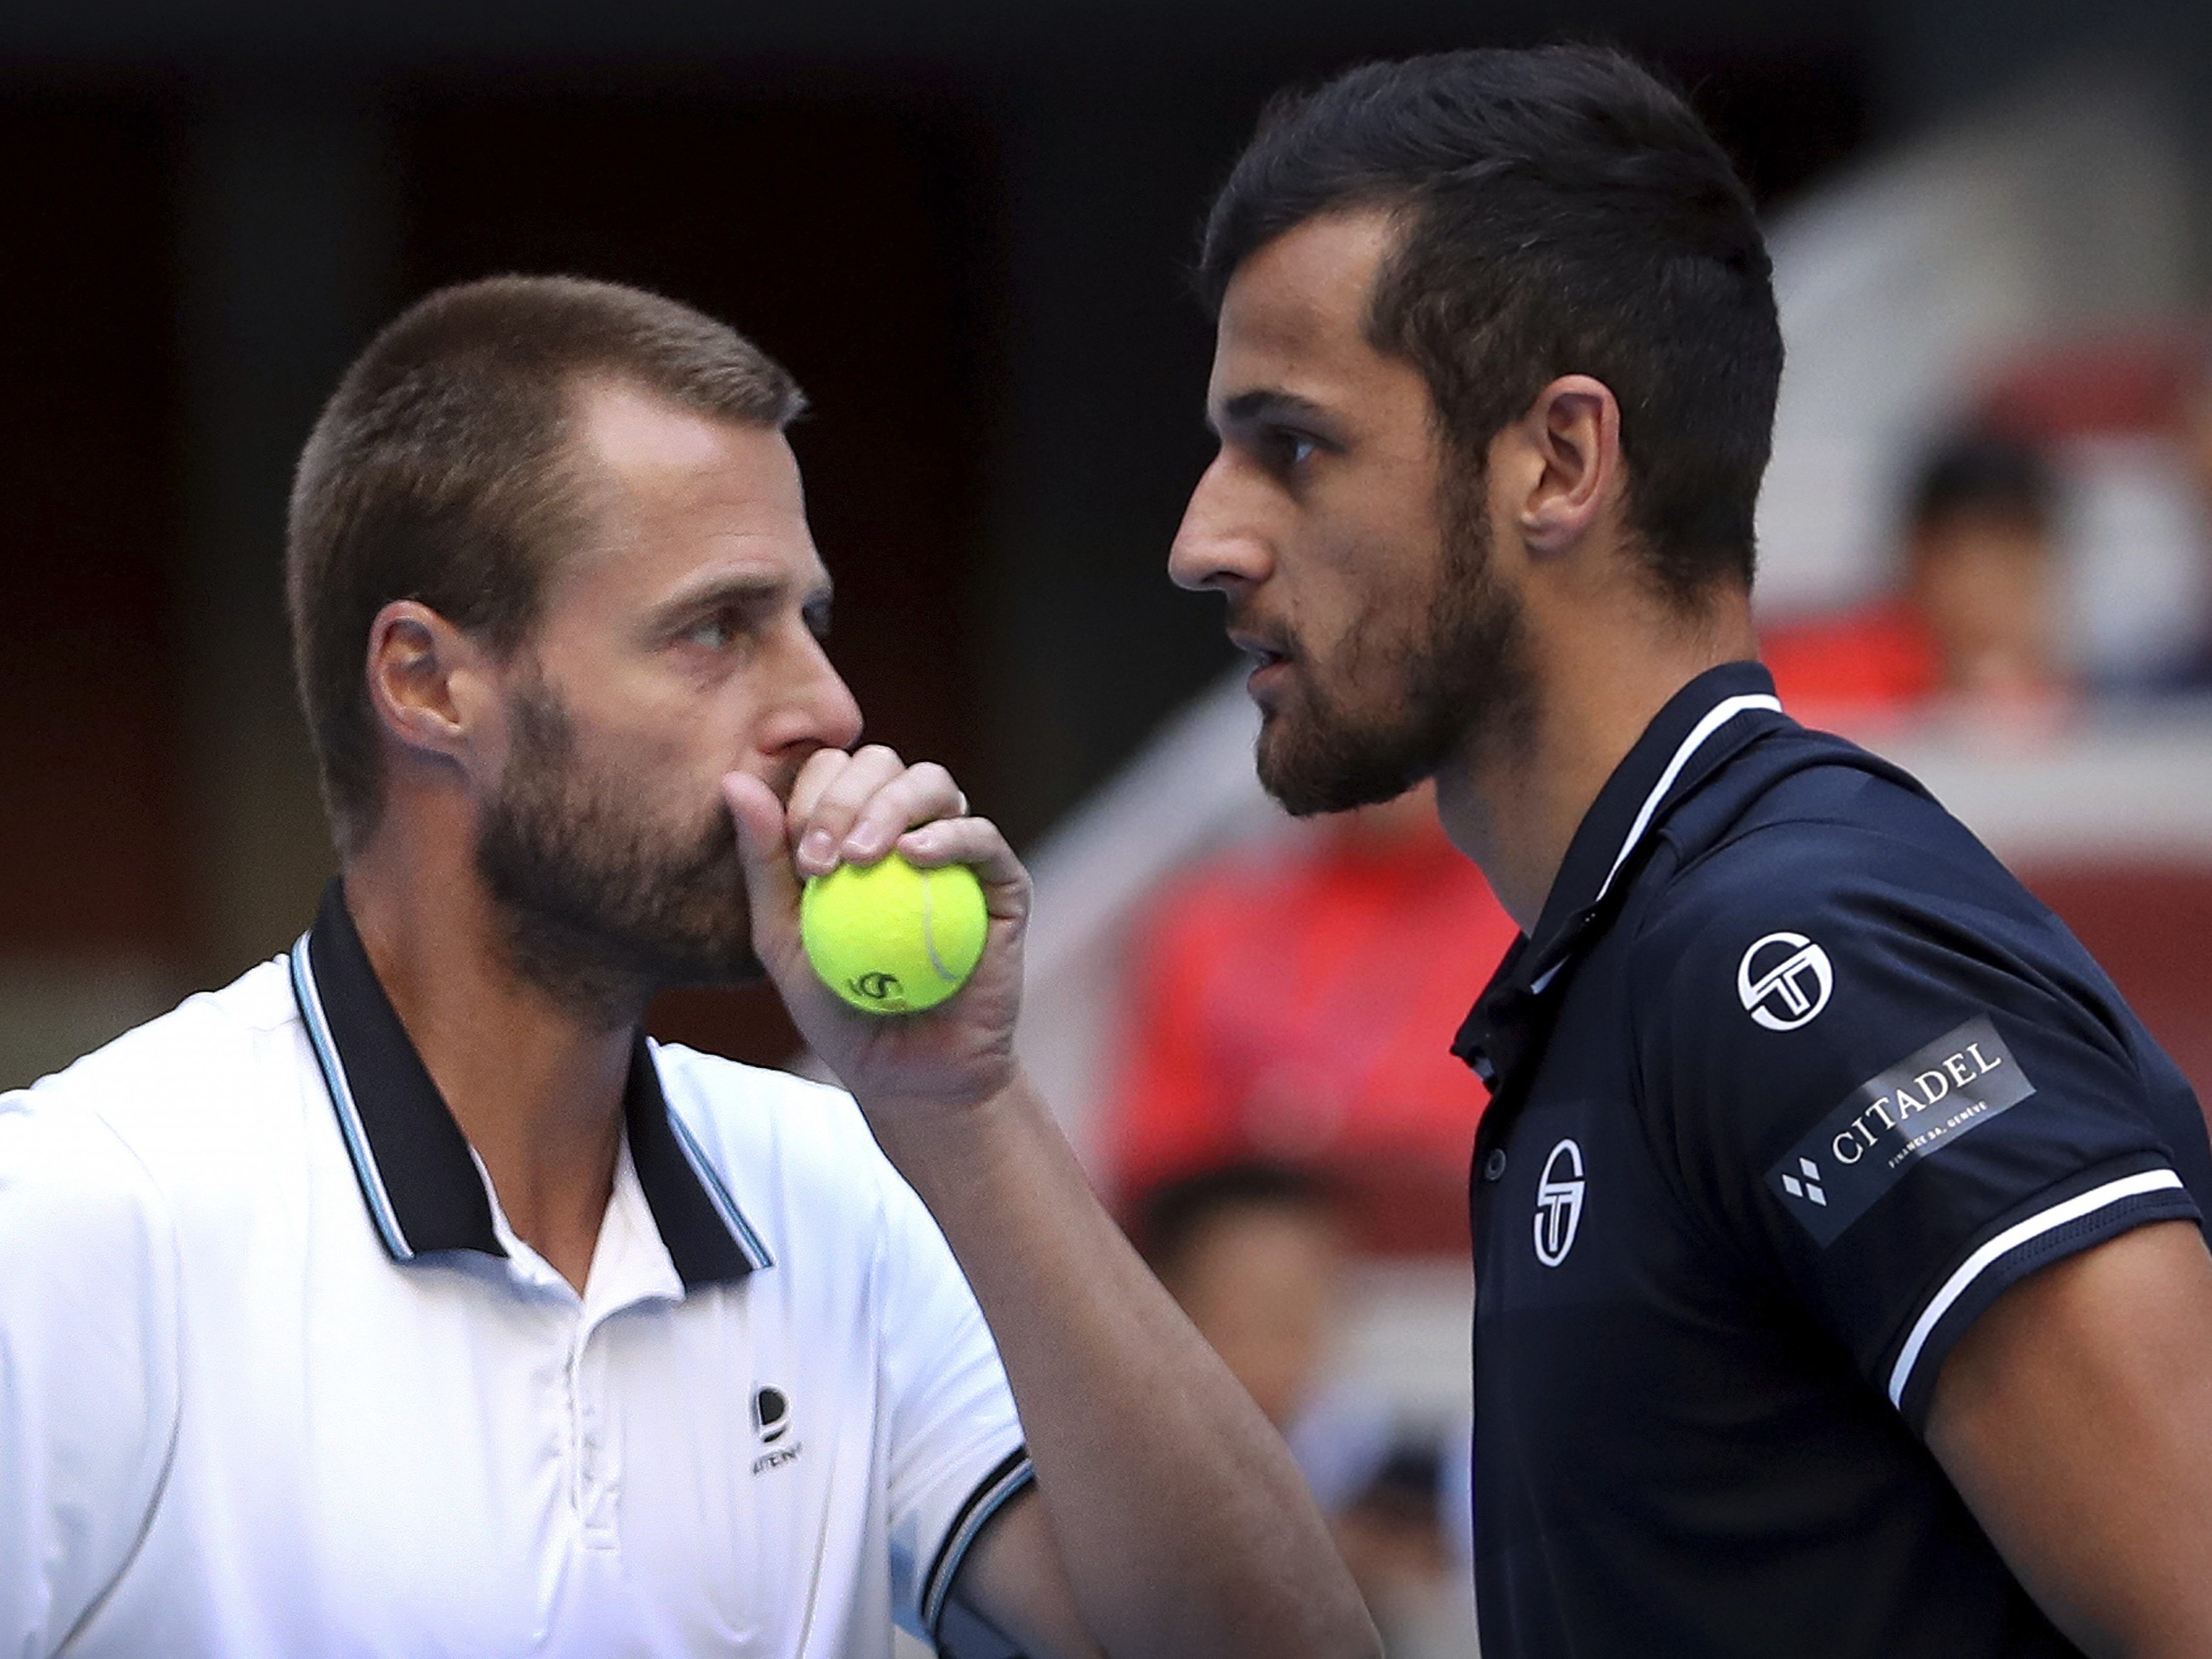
(1703, 725)
(416, 1175)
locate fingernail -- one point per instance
(860, 846)
(817, 848)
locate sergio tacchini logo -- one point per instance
(1784, 980)
(1559, 1203)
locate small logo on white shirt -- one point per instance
(1784, 980)
(771, 1414)
(771, 1422)
(1559, 1203)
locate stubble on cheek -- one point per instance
(1405, 686)
(1331, 741)
(612, 882)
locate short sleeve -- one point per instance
(956, 1448)
(1895, 1097)
(87, 1365)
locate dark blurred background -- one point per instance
(964, 227)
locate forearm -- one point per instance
(1184, 1526)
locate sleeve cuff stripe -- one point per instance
(2072, 1209)
(986, 1501)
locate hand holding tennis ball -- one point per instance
(892, 939)
(862, 871)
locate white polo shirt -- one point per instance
(276, 1378)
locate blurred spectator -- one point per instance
(1294, 1003)
(1976, 620)
(2194, 673)
(1418, 1584)
(2196, 431)
(1254, 1254)
(2125, 416)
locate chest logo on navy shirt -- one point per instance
(1559, 1203)
(1784, 980)
(1888, 1123)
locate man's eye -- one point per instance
(1291, 448)
(711, 633)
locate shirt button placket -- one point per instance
(598, 1484)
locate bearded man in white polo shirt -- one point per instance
(403, 1298)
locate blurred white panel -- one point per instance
(2125, 782)
(1408, 1339)
(1191, 791)
(2137, 571)
(1901, 284)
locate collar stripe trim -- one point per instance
(1715, 717)
(986, 1501)
(305, 993)
(726, 1206)
(2072, 1209)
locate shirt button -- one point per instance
(1494, 1166)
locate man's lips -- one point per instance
(1271, 661)
(1265, 652)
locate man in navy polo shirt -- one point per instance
(1842, 1283)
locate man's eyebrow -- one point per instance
(718, 591)
(749, 590)
(1265, 402)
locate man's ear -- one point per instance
(1561, 464)
(430, 683)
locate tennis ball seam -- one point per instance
(929, 929)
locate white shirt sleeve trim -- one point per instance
(2072, 1209)
(1012, 1476)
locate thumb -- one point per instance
(763, 848)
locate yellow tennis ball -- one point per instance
(891, 938)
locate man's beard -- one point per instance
(1456, 682)
(603, 907)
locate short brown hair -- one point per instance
(438, 473)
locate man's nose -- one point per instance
(1218, 543)
(819, 709)
(838, 712)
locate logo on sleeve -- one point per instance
(1784, 980)
(1889, 1123)
(1809, 1188)
(1559, 1203)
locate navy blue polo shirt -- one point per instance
(1791, 1080)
